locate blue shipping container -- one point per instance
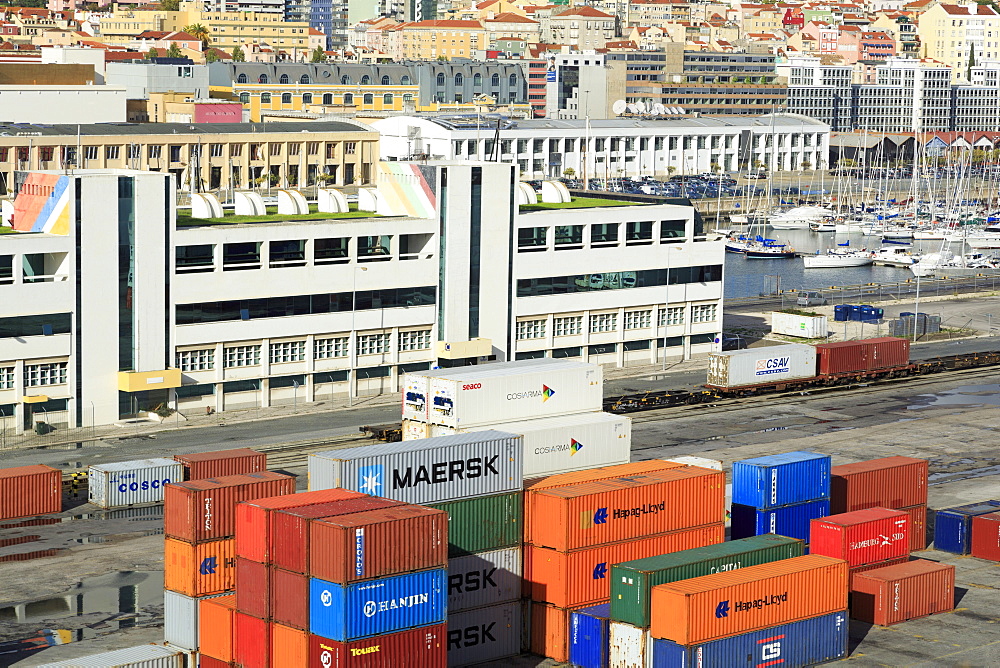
(953, 526)
(779, 480)
(589, 636)
(791, 521)
(795, 645)
(841, 312)
(373, 607)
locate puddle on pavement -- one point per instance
(114, 594)
(966, 395)
(945, 476)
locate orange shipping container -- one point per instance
(578, 578)
(198, 570)
(896, 594)
(748, 599)
(289, 647)
(608, 511)
(593, 475)
(215, 627)
(550, 631)
(30, 490)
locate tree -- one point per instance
(174, 51)
(238, 55)
(806, 165)
(152, 53)
(972, 62)
(318, 55)
(170, 5)
(569, 172)
(200, 32)
(716, 167)
(211, 56)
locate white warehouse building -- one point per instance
(616, 147)
(113, 303)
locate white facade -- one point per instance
(62, 104)
(269, 313)
(614, 147)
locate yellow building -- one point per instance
(950, 33)
(324, 98)
(430, 40)
(226, 29)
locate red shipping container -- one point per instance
(862, 537)
(918, 527)
(251, 641)
(891, 482)
(608, 511)
(290, 598)
(752, 598)
(215, 628)
(895, 594)
(290, 533)
(30, 490)
(863, 355)
(253, 525)
(203, 510)
(423, 647)
(289, 647)
(200, 465)
(870, 567)
(579, 578)
(986, 537)
(378, 543)
(253, 585)
(205, 661)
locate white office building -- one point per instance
(615, 147)
(111, 304)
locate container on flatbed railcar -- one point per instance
(758, 366)
(865, 355)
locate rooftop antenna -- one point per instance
(494, 155)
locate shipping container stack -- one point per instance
(199, 523)
(953, 526)
(865, 539)
(780, 494)
(896, 483)
(578, 525)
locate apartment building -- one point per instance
(215, 156)
(818, 90)
(907, 95)
(113, 303)
(951, 33)
(445, 39)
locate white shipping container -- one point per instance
(494, 393)
(144, 656)
(704, 463)
(569, 442)
(485, 578)
(412, 430)
(180, 619)
(415, 390)
(430, 470)
(629, 646)
(127, 483)
(485, 634)
(754, 366)
(805, 326)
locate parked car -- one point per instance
(810, 299)
(733, 342)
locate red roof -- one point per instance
(445, 23)
(508, 17)
(584, 10)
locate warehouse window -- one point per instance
(674, 316)
(6, 377)
(638, 319)
(373, 344)
(415, 340)
(530, 329)
(603, 322)
(51, 373)
(567, 326)
(237, 356)
(703, 313)
(288, 351)
(329, 348)
(196, 360)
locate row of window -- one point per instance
(295, 351)
(243, 255)
(612, 348)
(345, 80)
(327, 98)
(597, 144)
(35, 375)
(601, 234)
(175, 151)
(36, 325)
(608, 322)
(277, 307)
(557, 285)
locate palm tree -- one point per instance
(200, 32)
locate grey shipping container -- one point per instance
(754, 366)
(487, 578)
(485, 634)
(431, 470)
(121, 484)
(180, 618)
(144, 656)
(495, 393)
(567, 443)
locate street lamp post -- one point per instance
(352, 372)
(916, 310)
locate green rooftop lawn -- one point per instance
(580, 203)
(7, 230)
(184, 218)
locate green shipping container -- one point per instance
(631, 581)
(483, 523)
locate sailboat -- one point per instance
(842, 256)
